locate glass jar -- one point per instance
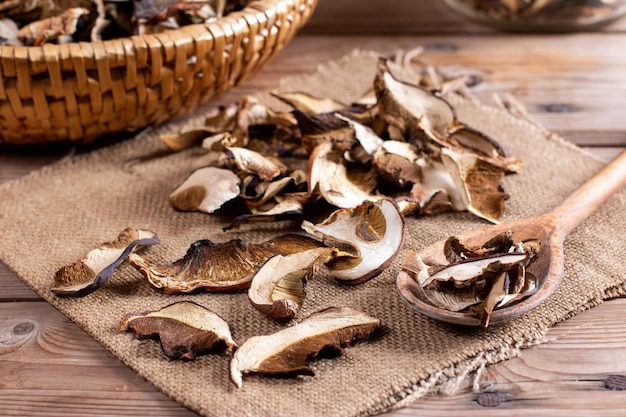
(540, 15)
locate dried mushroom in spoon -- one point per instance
(287, 351)
(185, 329)
(478, 279)
(95, 270)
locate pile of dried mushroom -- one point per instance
(397, 152)
(35, 22)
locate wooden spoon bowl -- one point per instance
(550, 229)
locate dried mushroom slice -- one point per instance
(478, 183)
(55, 28)
(95, 270)
(287, 351)
(328, 174)
(254, 163)
(478, 279)
(217, 267)
(278, 287)
(309, 104)
(373, 232)
(185, 329)
(206, 190)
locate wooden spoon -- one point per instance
(551, 230)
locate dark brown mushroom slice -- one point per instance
(319, 128)
(455, 250)
(287, 351)
(218, 267)
(278, 288)
(185, 329)
(373, 232)
(96, 269)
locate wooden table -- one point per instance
(573, 84)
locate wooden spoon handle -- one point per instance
(580, 204)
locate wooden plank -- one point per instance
(57, 369)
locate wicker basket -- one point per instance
(78, 92)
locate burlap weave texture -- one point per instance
(56, 215)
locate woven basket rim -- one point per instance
(251, 9)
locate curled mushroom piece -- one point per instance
(373, 232)
(287, 351)
(185, 329)
(95, 270)
(478, 279)
(278, 287)
(342, 187)
(206, 190)
(216, 267)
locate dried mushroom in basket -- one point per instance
(477, 280)
(63, 21)
(403, 142)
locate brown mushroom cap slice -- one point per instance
(478, 183)
(307, 103)
(408, 106)
(185, 329)
(288, 350)
(339, 186)
(372, 231)
(87, 275)
(254, 163)
(278, 287)
(216, 267)
(206, 190)
(463, 272)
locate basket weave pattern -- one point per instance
(80, 91)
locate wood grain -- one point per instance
(82, 378)
(575, 85)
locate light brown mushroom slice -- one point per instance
(185, 139)
(478, 183)
(96, 269)
(496, 294)
(287, 351)
(254, 163)
(435, 178)
(372, 231)
(409, 106)
(278, 288)
(367, 138)
(218, 267)
(307, 103)
(464, 272)
(185, 329)
(329, 175)
(206, 190)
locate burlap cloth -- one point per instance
(56, 215)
